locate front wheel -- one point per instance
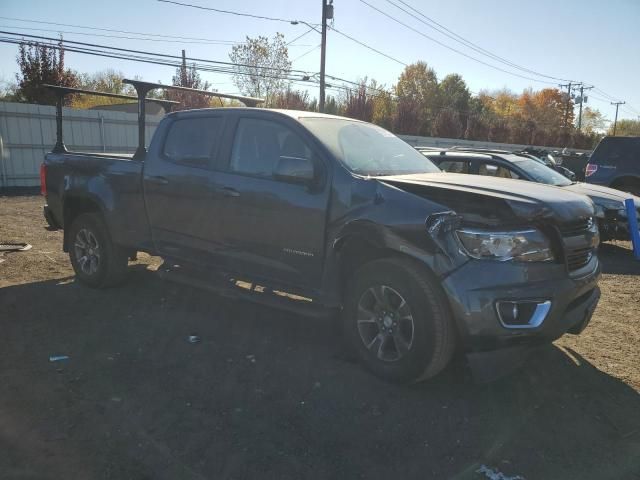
(398, 321)
(96, 260)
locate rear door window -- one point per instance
(490, 169)
(454, 166)
(193, 141)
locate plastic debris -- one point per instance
(495, 474)
(193, 339)
(251, 358)
(58, 358)
(14, 247)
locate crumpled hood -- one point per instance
(604, 196)
(488, 196)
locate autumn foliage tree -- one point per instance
(40, 64)
(292, 100)
(358, 103)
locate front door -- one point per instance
(272, 229)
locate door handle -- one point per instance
(229, 192)
(156, 179)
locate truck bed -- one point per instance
(108, 182)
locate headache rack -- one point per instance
(142, 89)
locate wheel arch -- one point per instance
(74, 206)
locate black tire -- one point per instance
(111, 260)
(433, 333)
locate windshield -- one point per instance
(541, 173)
(367, 149)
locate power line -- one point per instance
(193, 59)
(145, 39)
(366, 46)
(451, 48)
(300, 36)
(306, 53)
(454, 36)
(229, 12)
(116, 31)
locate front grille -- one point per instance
(576, 228)
(578, 242)
(578, 258)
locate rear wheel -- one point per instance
(96, 260)
(397, 320)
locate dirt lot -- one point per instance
(270, 395)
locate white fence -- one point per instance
(28, 132)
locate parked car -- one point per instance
(551, 162)
(610, 208)
(615, 163)
(320, 213)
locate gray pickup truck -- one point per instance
(320, 213)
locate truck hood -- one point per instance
(607, 198)
(484, 198)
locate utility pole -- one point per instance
(582, 89)
(615, 122)
(566, 110)
(327, 13)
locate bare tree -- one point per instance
(261, 66)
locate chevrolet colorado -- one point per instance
(317, 212)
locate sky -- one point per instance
(595, 42)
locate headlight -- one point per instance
(521, 246)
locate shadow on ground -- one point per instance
(618, 259)
(270, 395)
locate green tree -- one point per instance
(109, 81)
(418, 99)
(593, 120)
(333, 106)
(261, 66)
(447, 124)
(384, 105)
(626, 128)
(41, 64)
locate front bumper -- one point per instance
(475, 288)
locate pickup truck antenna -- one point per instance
(143, 88)
(62, 92)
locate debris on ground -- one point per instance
(14, 247)
(495, 474)
(193, 339)
(58, 358)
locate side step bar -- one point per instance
(228, 287)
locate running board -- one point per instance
(229, 287)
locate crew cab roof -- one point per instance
(295, 114)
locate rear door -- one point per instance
(273, 230)
(180, 185)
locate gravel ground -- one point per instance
(266, 394)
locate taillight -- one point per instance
(590, 169)
(43, 179)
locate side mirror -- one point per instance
(294, 170)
